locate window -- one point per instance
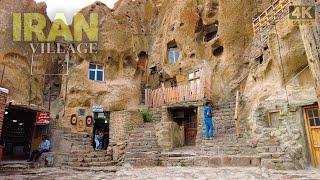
(274, 118)
(96, 72)
(195, 83)
(173, 55)
(194, 75)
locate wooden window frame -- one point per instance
(269, 116)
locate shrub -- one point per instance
(147, 116)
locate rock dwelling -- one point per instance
(158, 62)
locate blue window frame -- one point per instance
(96, 72)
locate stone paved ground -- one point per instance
(183, 173)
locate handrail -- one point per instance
(236, 114)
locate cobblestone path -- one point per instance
(179, 173)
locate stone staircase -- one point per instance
(82, 154)
(226, 140)
(226, 149)
(15, 166)
(273, 156)
(143, 149)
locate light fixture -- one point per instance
(20, 124)
(6, 112)
(14, 121)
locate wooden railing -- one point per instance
(271, 14)
(182, 93)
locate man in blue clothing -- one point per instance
(43, 147)
(207, 114)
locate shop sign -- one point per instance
(180, 78)
(97, 108)
(43, 118)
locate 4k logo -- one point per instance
(302, 15)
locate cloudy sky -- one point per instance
(69, 7)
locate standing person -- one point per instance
(97, 139)
(101, 135)
(207, 114)
(43, 147)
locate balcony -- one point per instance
(193, 91)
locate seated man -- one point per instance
(43, 147)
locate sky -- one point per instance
(69, 7)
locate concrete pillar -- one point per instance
(3, 102)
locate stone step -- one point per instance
(278, 164)
(141, 139)
(148, 154)
(271, 149)
(274, 155)
(6, 166)
(89, 164)
(151, 143)
(143, 150)
(205, 161)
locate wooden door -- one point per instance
(312, 121)
(190, 127)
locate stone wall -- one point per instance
(121, 123)
(201, 125)
(3, 101)
(171, 135)
(286, 134)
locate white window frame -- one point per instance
(174, 50)
(96, 70)
(194, 80)
(193, 76)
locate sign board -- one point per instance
(97, 108)
(42, 118)
(101, 115)
(180, 78)
(82, 112)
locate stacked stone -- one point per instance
(122, 122)
(226, 141)
(143, 149)
(3, 101)
(82, 153)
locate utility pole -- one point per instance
(311, 40)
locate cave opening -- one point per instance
(260, 59)
(218, 51)
(210, 32)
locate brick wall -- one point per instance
(3, 101)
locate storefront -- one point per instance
(100, 127)
(21, 131)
